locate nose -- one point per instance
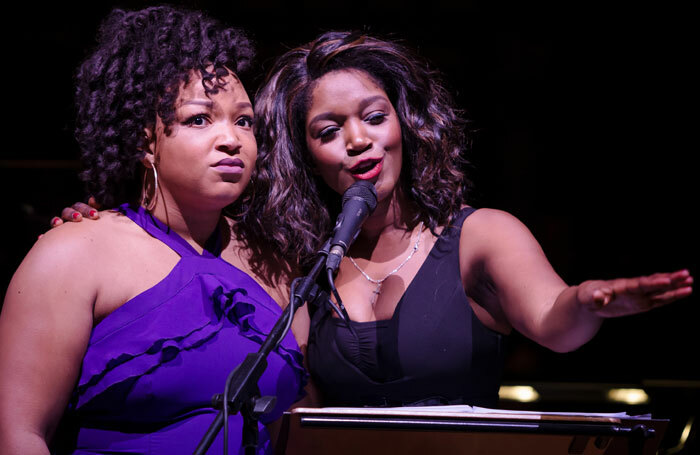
(356, 139)
(227, 139)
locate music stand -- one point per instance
(346, 431)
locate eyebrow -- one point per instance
(206, 103)
(210, 104)
(244, 104)
(363, 104)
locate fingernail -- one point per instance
(93, 213)
(75, 215)
(40, 236)
(54, 220)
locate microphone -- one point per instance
(358, 202)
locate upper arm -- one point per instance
(522, 282)
(301, 326)
(45, 326)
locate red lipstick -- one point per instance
(367, 169)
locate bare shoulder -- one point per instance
(72, 254)
(506, 250)
(78, 241)
(492, 228)
(486, 218)
(505, 271)
(491, 238)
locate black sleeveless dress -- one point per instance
(434, 350)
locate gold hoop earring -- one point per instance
(149, 201)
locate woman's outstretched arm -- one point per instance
(537, 302)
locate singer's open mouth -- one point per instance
(367, 169)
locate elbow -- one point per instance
(565, 341)
(17, 438)
(562, 328)
(24, 443)
(562, 346)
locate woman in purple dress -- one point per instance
(133, 323)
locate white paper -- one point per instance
(465, 409)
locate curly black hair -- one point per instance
(297, 208)
(134, 75)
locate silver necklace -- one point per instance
(379, 283)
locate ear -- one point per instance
(148, 159)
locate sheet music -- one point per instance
(465, 409)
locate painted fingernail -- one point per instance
(40, 236)
(54, 220)
(75, 215)
(93, 213)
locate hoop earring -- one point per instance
(147, 201)
(155, 191)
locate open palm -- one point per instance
(626, 296)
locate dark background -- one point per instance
(587, 117)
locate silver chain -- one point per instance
(379, 282)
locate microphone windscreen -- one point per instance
(362, 189)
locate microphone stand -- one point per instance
(243, 394)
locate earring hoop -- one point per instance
(149, 201)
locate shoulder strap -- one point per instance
(157, 229)
(461, 216)
(454, 226)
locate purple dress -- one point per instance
(152, 366)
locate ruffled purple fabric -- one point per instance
(146, 345)
(161, 355)
(241, 313)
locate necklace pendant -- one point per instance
(379, 283)
(376, 293)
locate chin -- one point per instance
(220, 200)
(385, 190)
(231, 190)
(230, 198)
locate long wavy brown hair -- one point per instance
(289, 211)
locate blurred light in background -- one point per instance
(628, 396)
(521, 393)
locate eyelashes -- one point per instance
(202, 120)
(197, 120)
(328, 133)
(376, 118)
(245, 121)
